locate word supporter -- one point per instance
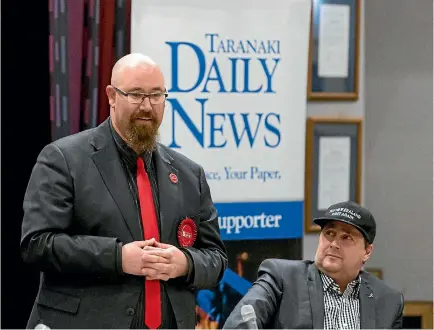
(237, 223)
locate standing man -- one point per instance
(330, 293)
(122, 228)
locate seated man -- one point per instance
(331, 293)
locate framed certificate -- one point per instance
(418, 315)
(333, 72)
(333, 165)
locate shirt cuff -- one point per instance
(118, 259)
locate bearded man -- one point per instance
(122, 228)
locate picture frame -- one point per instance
(333, 165)
(334, 35)
(418, 312)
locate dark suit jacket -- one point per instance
(77, 211)
(289, 295)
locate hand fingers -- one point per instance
(156, 267)
(163, 245)
(149, 250)
(148, 242)
(154, 274)
(148, 257)
(160, 277)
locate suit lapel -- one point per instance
(108, 162)
(367, 305)
(316, 297)
(169, 191)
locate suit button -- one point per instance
(130, 311)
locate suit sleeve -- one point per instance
(264, 295)
(397, 324)
(209, 259)
(47, 240)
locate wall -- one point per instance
(347, 109)
(396, 102)
(398, 139)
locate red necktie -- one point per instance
(150, 229)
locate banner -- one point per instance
(236, 73)
(236, 76)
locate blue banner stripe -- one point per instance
(238, 283)
(205, 298)
(260, 220)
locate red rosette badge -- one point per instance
(187, 232)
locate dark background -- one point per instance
(25, 129)
(258, 251)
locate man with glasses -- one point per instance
(122, 228)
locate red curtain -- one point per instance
(86, 38)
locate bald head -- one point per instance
(137, 99)
(133, 60)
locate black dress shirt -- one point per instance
(129, 159)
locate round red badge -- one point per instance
(173, 178)
(187, 233)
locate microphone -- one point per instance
(249, 316)
(41, 326)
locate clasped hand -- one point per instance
(155, 260)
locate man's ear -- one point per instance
(111, 95)
(368, 253)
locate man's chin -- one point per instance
(332, 265)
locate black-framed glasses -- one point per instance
(138, 98)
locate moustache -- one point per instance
(143, 115)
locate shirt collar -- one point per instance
(127, 153)
(352, 288)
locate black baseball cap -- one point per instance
(353, 214)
